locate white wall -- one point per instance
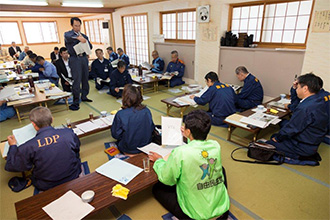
(317, 56)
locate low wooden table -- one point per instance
(31, 208)
(254, 131)
(150, 80)
(39, 98)
(169, 104)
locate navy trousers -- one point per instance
(79, 71)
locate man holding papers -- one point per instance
(78, 63)
(6, 112)
(192, 182)
(175, 66)
(63, 70)
(301, 136)
(158, 64)
(221, 99)
(252, 92)
(53, 154)
(112, 55)
(100, 70)
(133, 125)
(119, 78)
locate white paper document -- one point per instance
(185, 100)
(171, 131)
(87, 126)
(22, 135)
(77, 131)
(119, 170)
(69, 206)
(82, 48)
(146, 65)
(109, 119)
(100, 123)
(7, 92)
(259, 119)
(200, 93)
(161, 150)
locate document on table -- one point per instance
(185, 100)
(7, 92)
(82, 48)
(77, 131)
(259, 119)
(69, 206)
(100, 123)
(22, 135)
(171, 131)
(119, 170)
(87, 126)
(163, 151)
(200, 93)
(235, 119)
(109, 119)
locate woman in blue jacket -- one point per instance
(133, 125)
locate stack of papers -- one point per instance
(7, 92)
(167, 77)
(77, 131)
(163, 151)
(171, 131)
(281, 103)
(87, 126)
(55, 91)
(260, 119)
(185, 100)
(22, 135)
(119, 170)
(158, 75)
(68, 206)
(235, 119)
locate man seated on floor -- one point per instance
(55, 55)
(302, 135)
(158, 64)
(252, 92)
(118, 79)
(4, 56)
(53, 154)
(23, 54)
(48, 70)
(123, 57)
(112, 55)
(27, 62)
(63, 70)
(100, 70)
(221, 99)
(6, 112)
(36, 68)
(192, 180)
(175, 65)
(14, 50)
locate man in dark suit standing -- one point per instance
(55, 55)
(78, 63)
(63, 70)
(13, 50)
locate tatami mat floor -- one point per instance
(256, 191)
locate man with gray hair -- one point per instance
(53, 154)
(176, 66)
(252, 92)
(23, 54)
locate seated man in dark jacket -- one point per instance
(252, 92)
(118, 79)
(302, 135)
(100, 71)
(53, 154)
(63, 70)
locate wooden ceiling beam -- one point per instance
(28, 8)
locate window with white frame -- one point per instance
(41, 32)
(285, 22)
(93, 29)
(136, 38)
(9, 32)
(179, 25)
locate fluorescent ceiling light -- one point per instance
(84, 5)
(21, 2)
